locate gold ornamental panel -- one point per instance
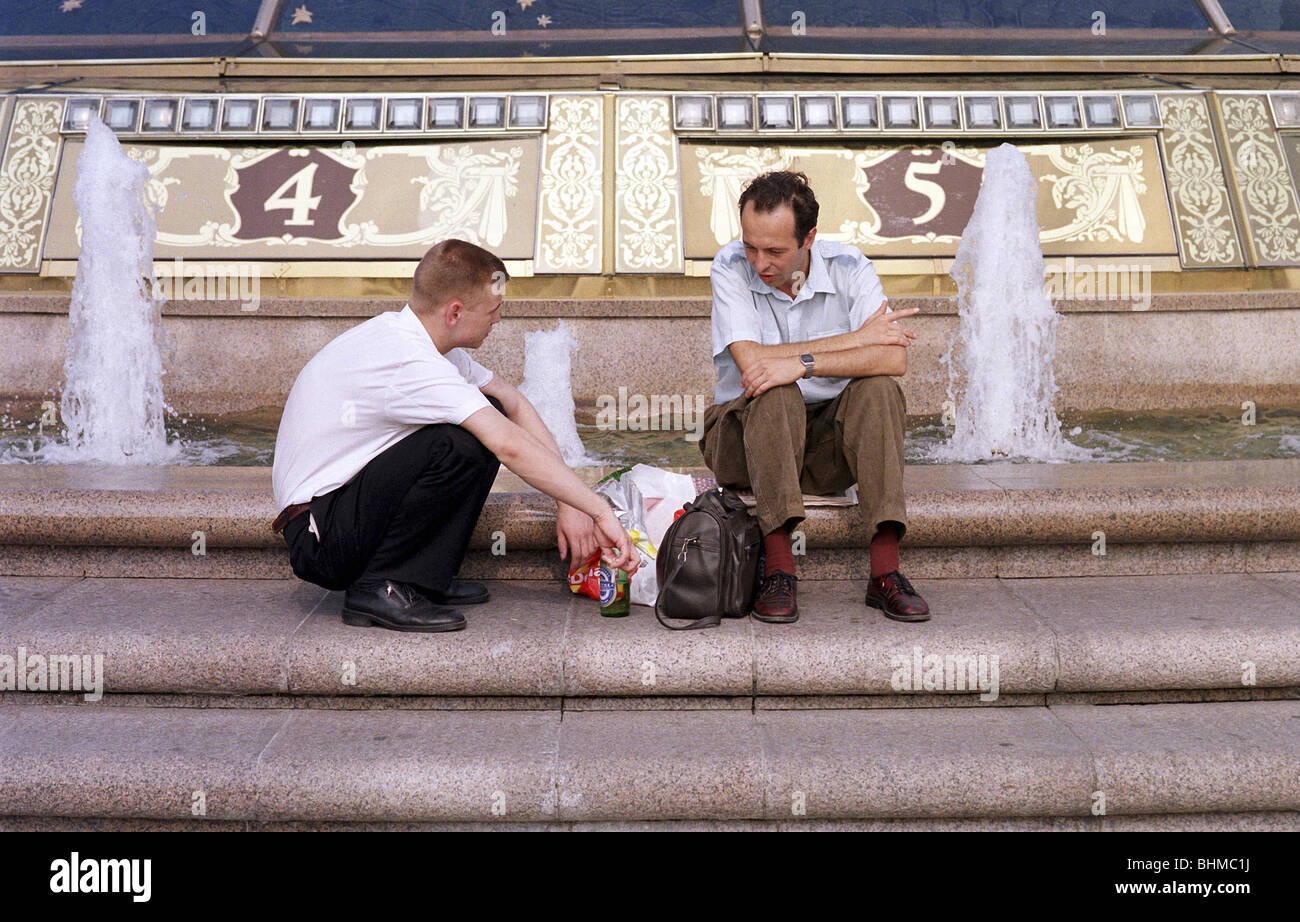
(27, 169)
(355, 201)
(1198, 190)
(647, 197)
(1100, 197)
(1262, 180)
(570, 227)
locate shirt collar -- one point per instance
(819, 276)
(407, 317)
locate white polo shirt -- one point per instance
(842, 291)
(364, 392)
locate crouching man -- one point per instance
(806, 352)
(390, 440)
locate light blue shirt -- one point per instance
(842, 291)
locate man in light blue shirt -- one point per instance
(806, 351)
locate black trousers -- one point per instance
(406, 516)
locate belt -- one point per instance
(288, 515)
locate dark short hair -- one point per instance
(455, 269)
(781, 187)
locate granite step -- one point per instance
(991, 643)
(965, 521)
(1203, 765)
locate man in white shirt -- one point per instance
(806, 351)
(389, 443)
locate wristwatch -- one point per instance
(807, 360)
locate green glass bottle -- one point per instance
(615, 599)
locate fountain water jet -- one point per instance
(112, 403)
(1007, 333)
(547, 385)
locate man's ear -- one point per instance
(812, 235)
(451, 312)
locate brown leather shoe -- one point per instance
(894, 595)
(775, 601)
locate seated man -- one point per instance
(390, 440)
(805, 401)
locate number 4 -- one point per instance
(302, 202)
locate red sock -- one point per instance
(779, 558)
(884, 550)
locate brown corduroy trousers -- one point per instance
(781, 448)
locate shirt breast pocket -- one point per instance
(823, 331)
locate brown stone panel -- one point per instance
(892, 190)
(293, 193)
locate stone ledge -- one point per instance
(948, 505)
(446, 767)
(539, 641)
(1263, 821)
(1009, 561)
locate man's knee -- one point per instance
(875, 389)
(446, 446)
(783, 401)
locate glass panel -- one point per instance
(1263, 15)
(508, 28)
(36, 30)
(995, 27)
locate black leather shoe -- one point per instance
(894, 595)
(775, 601)
(460, 592)
(398, 607)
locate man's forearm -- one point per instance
(526, 418)
(837, 343)
(547, 472)
(859, 363)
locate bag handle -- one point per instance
(713, 620)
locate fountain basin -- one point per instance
(248, 438)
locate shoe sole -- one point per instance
(892, 617)
(363, 619)
(776, 619)
(452, 603)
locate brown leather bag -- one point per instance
(708, 562)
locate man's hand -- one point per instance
(575, 533)
(616, 547)
(765, 374)
(882, 329)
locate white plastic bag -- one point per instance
(663, 493)
(625, 496)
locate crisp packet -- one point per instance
(584, 579)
